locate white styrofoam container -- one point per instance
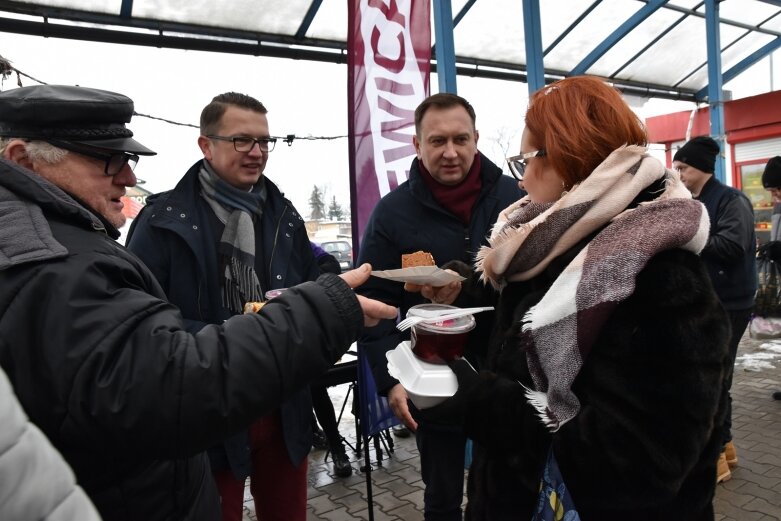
(426, 384)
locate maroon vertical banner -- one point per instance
(389, 53)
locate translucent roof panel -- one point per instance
(266, 16)
(666, 50)
(481, 33)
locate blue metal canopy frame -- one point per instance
(124, 29)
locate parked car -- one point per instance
(342, 250)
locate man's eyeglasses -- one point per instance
(518, 163)
(115, 161)
(245, 144)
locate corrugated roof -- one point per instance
(652, 47)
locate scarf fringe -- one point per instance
(539, 401)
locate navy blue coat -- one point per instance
(409, 219)
(174, 237)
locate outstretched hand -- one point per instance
(373, 310)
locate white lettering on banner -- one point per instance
(394, 87)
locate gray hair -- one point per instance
(38, 151)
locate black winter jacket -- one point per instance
(102, 364)
(409, 219)
(643, 446)
(730, 253)
(174, 236)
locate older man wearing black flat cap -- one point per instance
(98, 358)
(729, 256)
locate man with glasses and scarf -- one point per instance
(224, 236)
(99, 359)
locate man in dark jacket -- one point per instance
(771, 181)
(223, 236)
(98, 358)
(729, 256)
(447, 207)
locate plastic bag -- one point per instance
(764, 327)
(768, 299)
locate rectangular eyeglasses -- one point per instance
(245, 143)
(115, 161)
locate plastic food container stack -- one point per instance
(427, 384)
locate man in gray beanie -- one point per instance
(98, 358)
(729, 256)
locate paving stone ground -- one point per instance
(752, 494)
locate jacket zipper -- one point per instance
(274, 245)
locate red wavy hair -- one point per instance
(579, 121)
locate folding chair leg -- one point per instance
(367, 470)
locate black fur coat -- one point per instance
(643, 446)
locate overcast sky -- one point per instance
(304, 98)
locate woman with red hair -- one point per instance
(602, 384)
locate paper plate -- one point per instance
(420, 275)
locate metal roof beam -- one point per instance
(744, 64)
(445, 48)
(308, 19)
(636, 19)
(532, 33)
(126, 9)
(776, 3)
(571, 27)
(725, 21)
(715, 90)
(463, 11)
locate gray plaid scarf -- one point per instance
(238, 211)
(561, 329)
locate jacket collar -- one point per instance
(42, 200)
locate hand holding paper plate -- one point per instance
(421, 275)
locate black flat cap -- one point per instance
(70, 114)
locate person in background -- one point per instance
(603, 388)
(323, 407)
(446, 207)
(37, 482)
(226, 235)
(771, 181)
(729, 255)
(100, 361)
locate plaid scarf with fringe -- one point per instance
(562, 328)
(238, 211)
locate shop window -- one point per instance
(751, 184)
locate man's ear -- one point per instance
(416, 144)
(16, 151)
(204, 144)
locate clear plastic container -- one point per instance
(440, 342)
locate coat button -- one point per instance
(290, 224)
(195, 226)
(287, 235)
(279, 277)
(168, 209)
(182, 215)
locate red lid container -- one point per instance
(443, 341)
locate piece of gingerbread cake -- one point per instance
(419, 258)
